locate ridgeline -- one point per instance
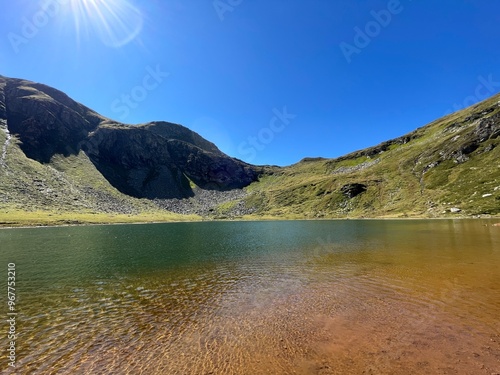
(62, 163)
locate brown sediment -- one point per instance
(327, 329)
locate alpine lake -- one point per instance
(282, 297)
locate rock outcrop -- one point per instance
(353, 190)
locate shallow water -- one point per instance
(301, 297)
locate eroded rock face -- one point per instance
(487, 129)
(211, 170)
(154, 160)
(143, 164)
(136, 162)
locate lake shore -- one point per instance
(25, 219)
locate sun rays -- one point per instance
(115, 22)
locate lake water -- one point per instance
(296, 297)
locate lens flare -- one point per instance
(115, 22)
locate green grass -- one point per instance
(226, 207)
(397, 184)
(18, 218)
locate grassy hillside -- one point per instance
(452, 163)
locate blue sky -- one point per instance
(268, 81)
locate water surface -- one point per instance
(299, 297)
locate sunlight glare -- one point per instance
(115, 22)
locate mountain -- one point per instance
(155, 160)
(62, 162)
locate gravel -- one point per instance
(205, 203)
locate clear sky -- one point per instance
(268, 81)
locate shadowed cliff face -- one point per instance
(155, 160)
(144, 164)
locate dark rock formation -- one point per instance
(353, 190)
(169, 130)
(488, 128)
(141, 163)
(382, 147)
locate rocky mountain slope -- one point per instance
(62, 162)
(59, 155)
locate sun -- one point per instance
(115, 22)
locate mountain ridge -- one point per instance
(62, 159)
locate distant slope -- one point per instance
(449, 167)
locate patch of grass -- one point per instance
(226, 207)
(18, 218)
